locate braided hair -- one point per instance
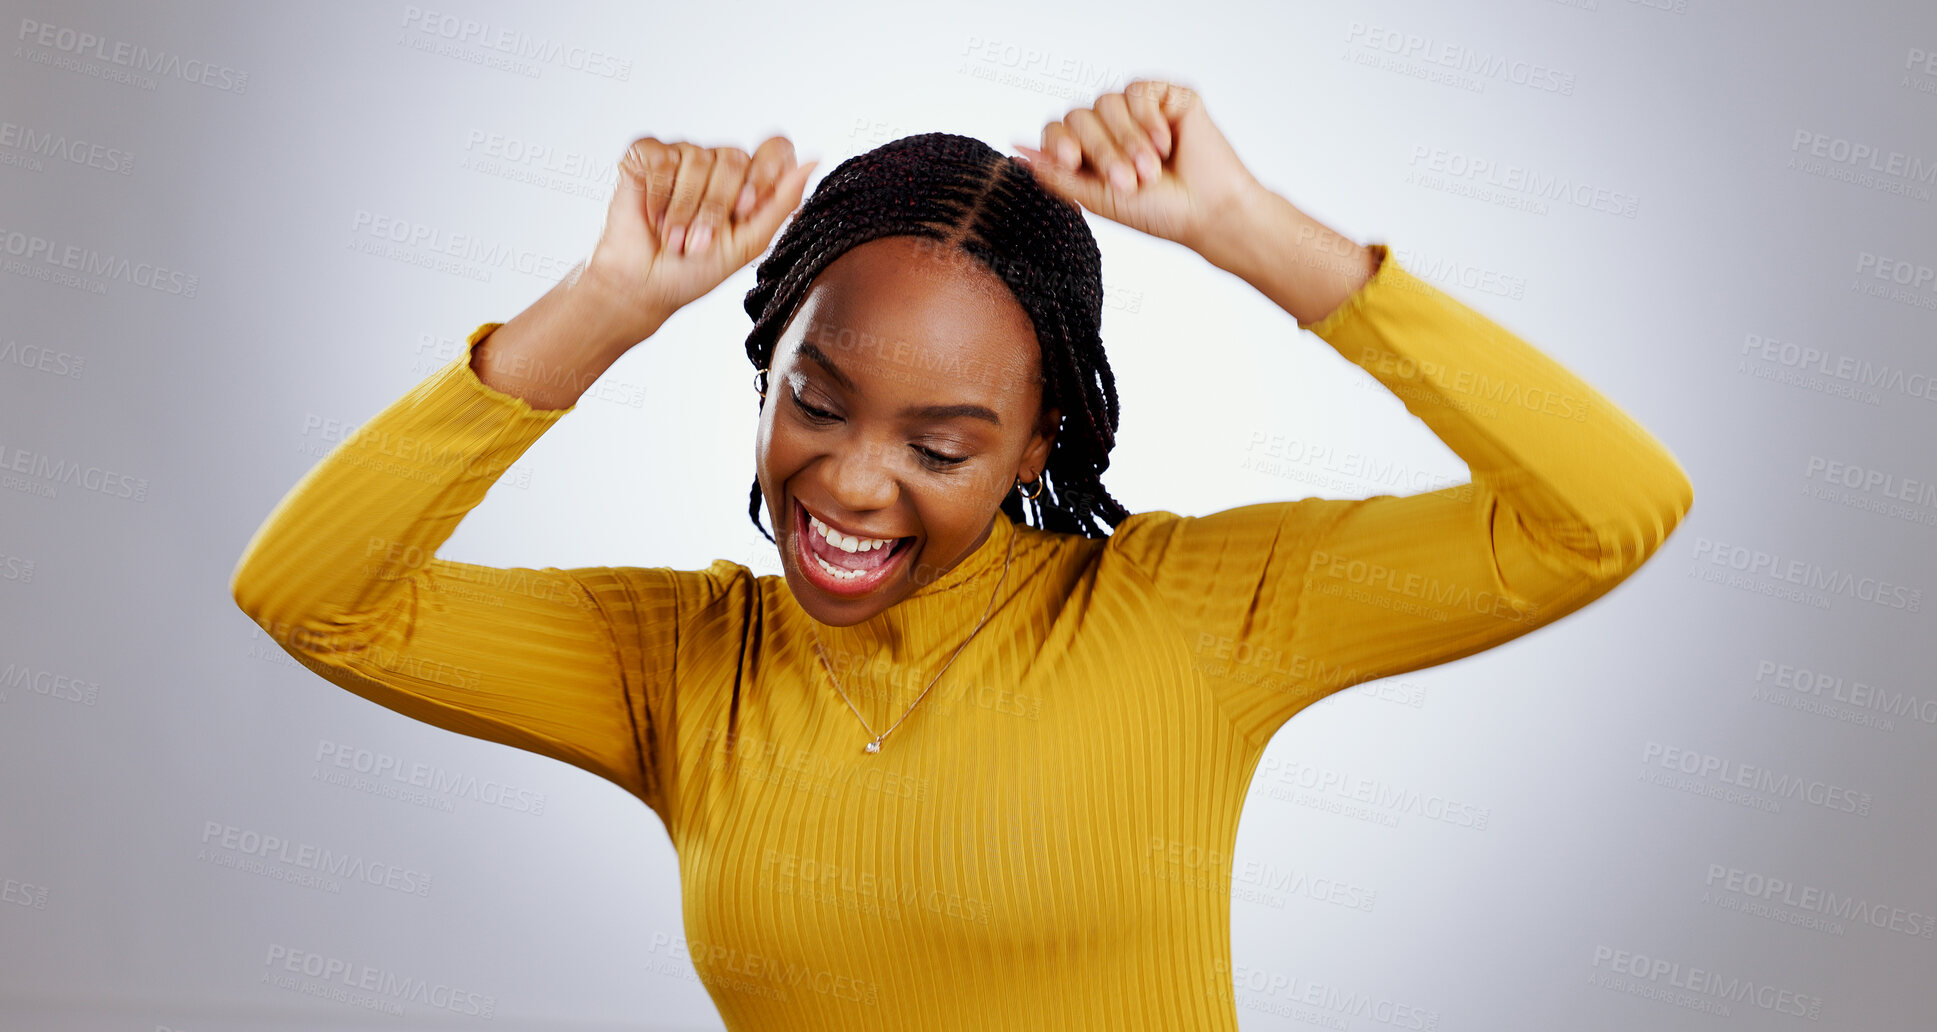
(964, 194)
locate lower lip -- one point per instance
(810, 566)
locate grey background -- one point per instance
(144, 720)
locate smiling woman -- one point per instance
(1031, 826)
(874, 443)
(944, 274)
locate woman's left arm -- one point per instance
(1287, 602)
(1588, 485)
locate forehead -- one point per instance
(904, 312)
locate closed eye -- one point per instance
(823, 417)
(812, 413)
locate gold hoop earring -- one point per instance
(760, 382)
(1036, 482)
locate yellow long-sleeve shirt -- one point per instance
(1045, 842)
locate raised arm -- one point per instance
(1287, 602)
(343, 574)
(579, 665)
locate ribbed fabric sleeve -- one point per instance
(577, 664)
(1289, 601)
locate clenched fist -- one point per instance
(1150, 158)
(684, 217)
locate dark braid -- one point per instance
(964, 194)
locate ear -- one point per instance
(1036, 456)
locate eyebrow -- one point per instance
(809, 351)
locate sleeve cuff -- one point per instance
(460, 368)
(1369, 292)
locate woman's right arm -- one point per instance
(573, 664)
(343, 574)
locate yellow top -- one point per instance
(1045, 842)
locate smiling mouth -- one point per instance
(837, 570)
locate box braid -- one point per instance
(966, 195)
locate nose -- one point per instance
(859, 478)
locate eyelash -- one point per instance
(941, 462)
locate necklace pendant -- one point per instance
(874, 746)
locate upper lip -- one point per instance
(844, 530)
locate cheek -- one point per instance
(778, 452)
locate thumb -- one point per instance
(787, 193)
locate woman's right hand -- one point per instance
(683, 218)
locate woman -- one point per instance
(954, 770)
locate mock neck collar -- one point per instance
(981, 566)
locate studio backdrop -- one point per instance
(231, 233)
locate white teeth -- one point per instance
(846, 542)
(837, 571)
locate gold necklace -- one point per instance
(875, 745)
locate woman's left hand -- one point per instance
(1150, 158)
